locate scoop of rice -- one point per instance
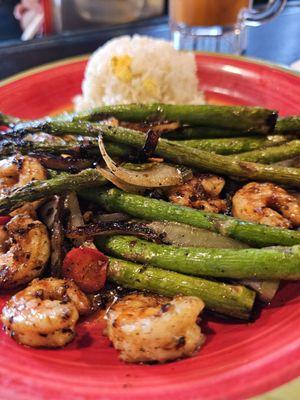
(139, 69)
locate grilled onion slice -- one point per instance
(152, 175)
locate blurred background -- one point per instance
(33, 32)
(46, 17)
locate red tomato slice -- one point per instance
(4, 219)
(87, 267)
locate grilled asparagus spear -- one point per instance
(268, 263)
(232, 117)
(151, 209)
(181, 154)
(232, 300)
(36, 190)
(271, 154)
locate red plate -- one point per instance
(237, 360)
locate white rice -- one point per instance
(139, 69)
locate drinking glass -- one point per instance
(217, 25)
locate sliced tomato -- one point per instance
(87, 267)
(4, 219)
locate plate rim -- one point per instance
(81, 58)
(85, 57)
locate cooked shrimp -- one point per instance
(154, 328)
(45, 313)
(201, 192)
(266, 203)
(16, 171)
(24, 251)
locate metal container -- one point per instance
(67, 15)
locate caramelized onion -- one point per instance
(112, 217)
(150, 144)
(63, 163)
(119, 183)
(51, 214)
(75, 216)
(113, 228)
(166, 126)
(188, 236)
(266, 290)
(157, 175)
